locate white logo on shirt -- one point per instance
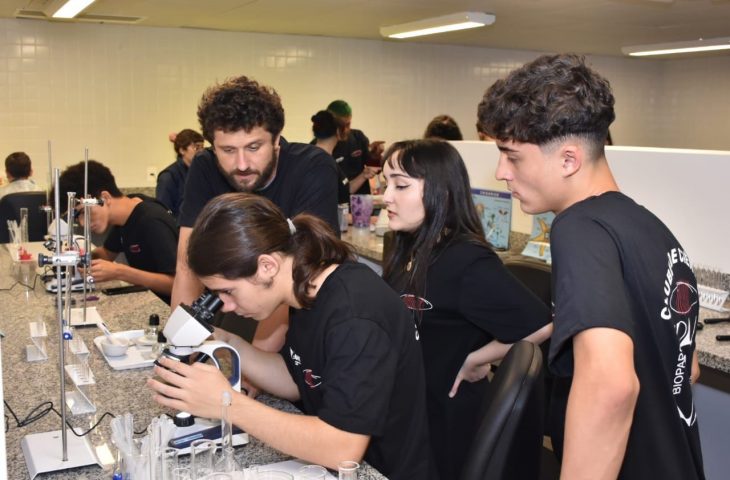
(295, 358)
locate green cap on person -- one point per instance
(340, 108)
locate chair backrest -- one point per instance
(508, 443)
(534, 274)
(10, 206)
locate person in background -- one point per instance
(139, 227)
(461, 296)
(171, 181)
(353, 151)
(242, 120)
(18, 170)
(350, 356)
(324, 128)
(625, 295)
(443, 127)
(483, 136)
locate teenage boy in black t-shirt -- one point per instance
(353, 150)
(625, 297)
(242, 120)
(141, 228)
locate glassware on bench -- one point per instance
(348, 470)
(202, 453)
(312, 472)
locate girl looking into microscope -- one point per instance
(350, 356)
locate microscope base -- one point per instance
(204, 428)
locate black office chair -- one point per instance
(10, 206)
(536, 276)
(508, 443)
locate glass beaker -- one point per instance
(273, 475)
(310, 472)
(202, 455)
(348, 470)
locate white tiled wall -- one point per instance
(119, 90)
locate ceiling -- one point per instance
(598, 27)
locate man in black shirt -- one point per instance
(625, 296)
(353, 150)
(140, 227)
(243, 120)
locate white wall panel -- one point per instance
(120, 89)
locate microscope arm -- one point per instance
(266, 370)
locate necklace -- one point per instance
(409, 265)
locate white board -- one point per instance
(689, 190)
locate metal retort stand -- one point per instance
(41, 450)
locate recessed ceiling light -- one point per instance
(446, 23)
(72, 8)
(701, 45)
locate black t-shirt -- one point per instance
(171, 185)
(352, 155)
(306, 181)
(470, 299)
(358, 367)
(148, 239)
(615, 265)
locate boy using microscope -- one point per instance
(141, 228)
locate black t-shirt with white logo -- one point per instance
(615, 265)
(352, 155)
(358, 367)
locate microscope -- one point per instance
(186, 333)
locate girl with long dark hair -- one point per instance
(461, 296)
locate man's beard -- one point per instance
(264, 178)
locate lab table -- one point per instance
(29, 384)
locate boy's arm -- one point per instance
(186, 286)
(600, 405)
(103, 270)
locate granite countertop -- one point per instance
(711, 352)
(366, 243)
(370, 245)
(29, 384)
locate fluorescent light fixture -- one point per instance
(72, 8)
(446, 23)
(701, 45)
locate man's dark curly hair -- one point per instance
(551, 98)
(240, 104)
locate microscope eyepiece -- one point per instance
(205, 307)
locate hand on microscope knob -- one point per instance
(104, 270)
(252, 391)
(195, 388)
